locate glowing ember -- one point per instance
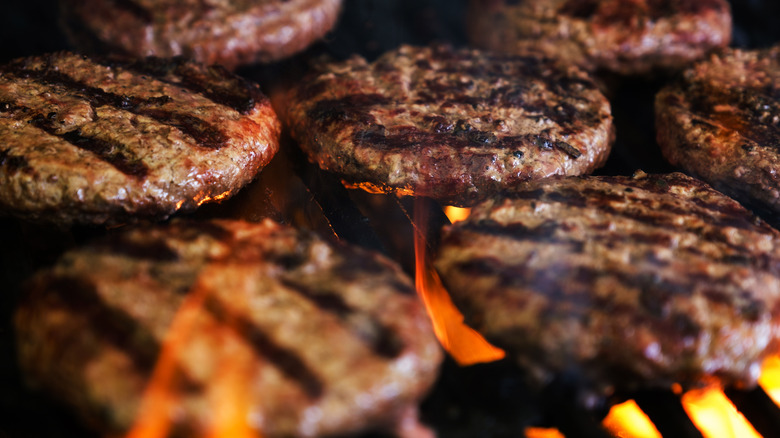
(538, 432)
(464, 344)
(628, 421)
(715, 416)
(456, 214)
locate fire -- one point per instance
(715, 415)
(227, 395)
(710, 410)
(463, 343)
(456, 214)
(627, 420)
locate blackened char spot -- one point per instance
(12, 163)
(285, 360)
(352, 109)
(568, 149)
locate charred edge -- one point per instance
(12, 163)
(286, 361)
(353, 109)
(114, 325)
(382, 340)
(136, 9)
(202, 132)
(111, 152)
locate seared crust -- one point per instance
(90, 142)
(453, 125)
(321, 339)
(628, 37)
(230, 33)
(721, 122)
(632, 282)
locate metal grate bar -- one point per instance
(667, 413)
(343, 215)
(758, 408)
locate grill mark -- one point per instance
(240, 94)
(113, 325)
(286, 361)
(136, 9)
(111, 152)
(202, 132)
(353, 109)
(562, 282)
(380, 338)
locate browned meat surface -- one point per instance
(231, 33)
(630, 282)
(629, 37)
(721, 122)
(325, 339)
(454, 125)
(86, 141)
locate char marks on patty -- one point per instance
(636, 282)
(456, 125)
(314, 326)
(97, 141)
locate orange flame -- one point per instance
(229, 400)
(715, 416)
(456, 214)
(463, 343)
(628, 421)
(710, 410)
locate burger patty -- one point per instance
(628, 37)
(721, 122)
(629, 282)
(453, 125)
(230, 33)
(303, 337)
(91, 141)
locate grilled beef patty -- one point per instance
(230, 33)
(631, 282)
(318, 339)
(629, 37)
(721, 122)
(87, 141)
(454, 125)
